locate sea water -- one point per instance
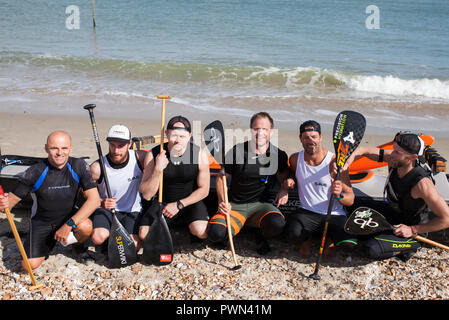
(298, 60)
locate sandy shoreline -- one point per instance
(199, 271)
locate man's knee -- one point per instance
(99, 235)
(198, 229)
(84, 230)
(272, 225)
(216, 232)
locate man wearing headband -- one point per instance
(312, 170)
(186, 180)
(253, 167)
(409, 191)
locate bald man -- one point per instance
(54, 183)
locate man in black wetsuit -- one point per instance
(409, 192)
(54, 184)
(185, 183)
(254, 167)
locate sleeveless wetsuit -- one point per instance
(180, 180)
(400, 208)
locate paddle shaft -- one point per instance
(20, 245)
(90, 107)
(326, 225)
(163, 97)
(228, 219)
(431, 242)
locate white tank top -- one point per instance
(314, 184)
(124, 184)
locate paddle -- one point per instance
(215, 143)
(121, 248)
(349, 127)
(158, 245)
(20, 245)
(366, 221)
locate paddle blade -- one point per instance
(121, 248)
(365, 221)
(349, 128)
(214, 140)
(158, 245)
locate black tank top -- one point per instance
(180, 175)
(399, 193)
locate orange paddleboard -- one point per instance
(364, 163)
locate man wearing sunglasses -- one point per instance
(409, 191)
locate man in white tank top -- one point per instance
(313, 170)
(124, 168)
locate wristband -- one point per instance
(341, 196)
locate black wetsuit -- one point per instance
(54, 192)
(252, 176)
(400, 208)
(180, 180)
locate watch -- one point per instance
(179, 205)
(71, 223)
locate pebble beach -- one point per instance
(200, 271)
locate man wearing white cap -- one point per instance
(409, 192)
(124, 169)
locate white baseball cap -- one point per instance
(120, 133)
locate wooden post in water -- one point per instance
(93, 13)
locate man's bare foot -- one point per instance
(329, 249)
(304, 249)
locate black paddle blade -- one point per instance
(349, 128)
(158, 245)
(214, 140)
(121, 248)
(365, 221)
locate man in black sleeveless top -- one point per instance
(185, 183)
(54, 185)
(409, 192)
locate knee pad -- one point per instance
(347, 245)
(216, 232)
(272, 225)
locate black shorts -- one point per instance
(194, 212)
(41, 238)
(303, 223)
(102, 218)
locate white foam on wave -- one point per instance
(390, 85)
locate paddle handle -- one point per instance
(20, 245)
(428, 241)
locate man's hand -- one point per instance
(281, 197)
(109, 203)
(336, 187)
(401, 230)
(161, 161)
(4, 202)
(62, 234)
(224, 208)
(170, 210)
